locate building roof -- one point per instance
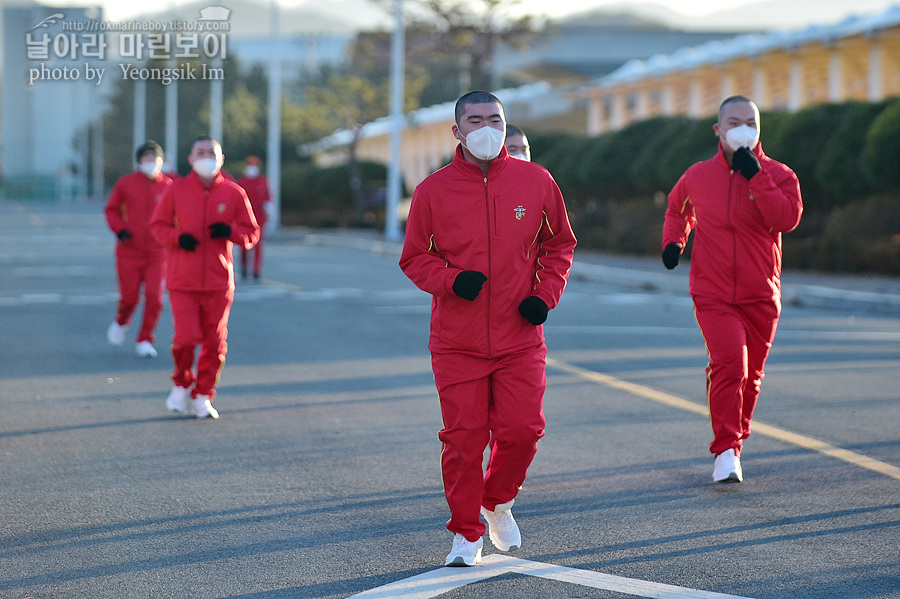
(747, 45)
(596, 49)
(436, 113)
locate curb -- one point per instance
(816, 296)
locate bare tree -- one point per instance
(467, 32)
(349, 101)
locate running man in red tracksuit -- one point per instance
(488, 236)
(257, 187)
(738, 203)
(197, 221)
(139, 257)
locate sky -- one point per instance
(767, 13)
(117, 10)
(693, 8)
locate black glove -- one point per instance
(745, 162)
(671, 255)
(218, 230)
(468, 284)
(124, 235)
(188, 241)
(534, 310)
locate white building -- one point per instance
(856, 59)
(50, 96)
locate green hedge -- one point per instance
(839, 169)
(861, 237)
(840, 152)
(615, 184)
(321, 197)
(881, 153)
(847, 157)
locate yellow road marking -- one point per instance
(786, 436)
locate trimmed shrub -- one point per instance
(632, 226)
(635, 227)
(563, 159)
(800, 140)
(322, 196)
(881, 153)
(839, 170)
(864, 236)
(608, 166)
(643, 171)
(771, 126)
(687, 142)
(589, 171)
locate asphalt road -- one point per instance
(321, 479)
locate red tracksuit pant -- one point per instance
(497, 401)
(200, 318)
(738, 339)
(133, 269)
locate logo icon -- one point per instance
(214, 13)
(221, 208)
(51, 20)
(520, 212)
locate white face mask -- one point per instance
(205, 167)
(485, 143)
(742, 137)
(151, 169)
(251, 171)
(520, 157)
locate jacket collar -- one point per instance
(159, 176)
(196, 180)
(757, 151)
(497, 164)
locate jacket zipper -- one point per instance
(734, 276)
(204, 245)
(487, 209)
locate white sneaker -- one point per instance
(464, 552)
(203, 407)
(502, 527)
(177, 400)
(145, 349)
(728, 468)
(115, 334)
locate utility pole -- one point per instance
(273, 150)
(171, 142)
(392, 221)
(139, 133)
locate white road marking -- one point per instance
(100, 299)
(783, 333)
(620, 330)
(242, 293)
(41, 298)
(437, 582)
(420, 309)
(53, 270)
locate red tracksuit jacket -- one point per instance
(189, 207)
(737, 224)
(257, 190)
(130, 206)
(510, 225)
